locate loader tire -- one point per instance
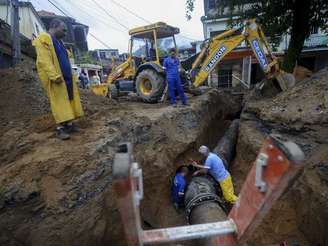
(150, 86)
(113, 91)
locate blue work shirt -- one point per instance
(65, 65)
(215, 167)
(178, 188)
(171, 66)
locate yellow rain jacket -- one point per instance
(49, 70)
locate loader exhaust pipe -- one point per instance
(202, 204)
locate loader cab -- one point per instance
(151, 44)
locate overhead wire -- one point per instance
(111, 16)
(131, 12)
(192, 39)
(93, 9)
(142, 18)
(91, 34)
(96, 17)
(116, 20)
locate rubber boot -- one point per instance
(61, 134)
(71, 128)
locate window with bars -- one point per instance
(225, 78)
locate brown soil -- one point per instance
(301, 114)
(59, 193)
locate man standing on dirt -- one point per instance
(171, 66)
(56, 75)
(215, 167)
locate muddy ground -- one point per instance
(59, 193)
(301, 114)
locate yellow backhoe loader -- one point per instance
(143, 73)
(216, 48)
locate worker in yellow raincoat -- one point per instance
(57, 78)
(215, 167)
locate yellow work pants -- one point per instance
(227, 190)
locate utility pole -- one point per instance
(15, 36)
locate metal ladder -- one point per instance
(276, 166)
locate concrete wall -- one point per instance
(321, 61)
(214, 26)
(30, 26)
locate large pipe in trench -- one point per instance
(202, 203)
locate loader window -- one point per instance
(164, 46)
(141, 47)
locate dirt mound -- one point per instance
(21, 97)
(59, 193)
(300, 114)
(25, 109)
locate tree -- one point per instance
(278, 17)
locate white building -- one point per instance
(30, 24)
(241, 65)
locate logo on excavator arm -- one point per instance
(260, 54)
(215, 59)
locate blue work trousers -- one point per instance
(175, 83)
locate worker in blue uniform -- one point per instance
(178, 187)
(171, 66)
(215, 167)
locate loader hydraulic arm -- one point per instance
(216, 48)
(123, 71)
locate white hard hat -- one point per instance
(203, 149)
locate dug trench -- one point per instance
(59, 193)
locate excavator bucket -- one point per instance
(100, 90)
(285, 80)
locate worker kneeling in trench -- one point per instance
(215, 167)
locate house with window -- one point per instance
(106, 54)
(240, 66)
(30, 24)
(235, 68)
(105, 58)
(76, 37)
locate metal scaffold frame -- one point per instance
(276, 166)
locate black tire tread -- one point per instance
(157, 82)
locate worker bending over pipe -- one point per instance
(215, 167)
